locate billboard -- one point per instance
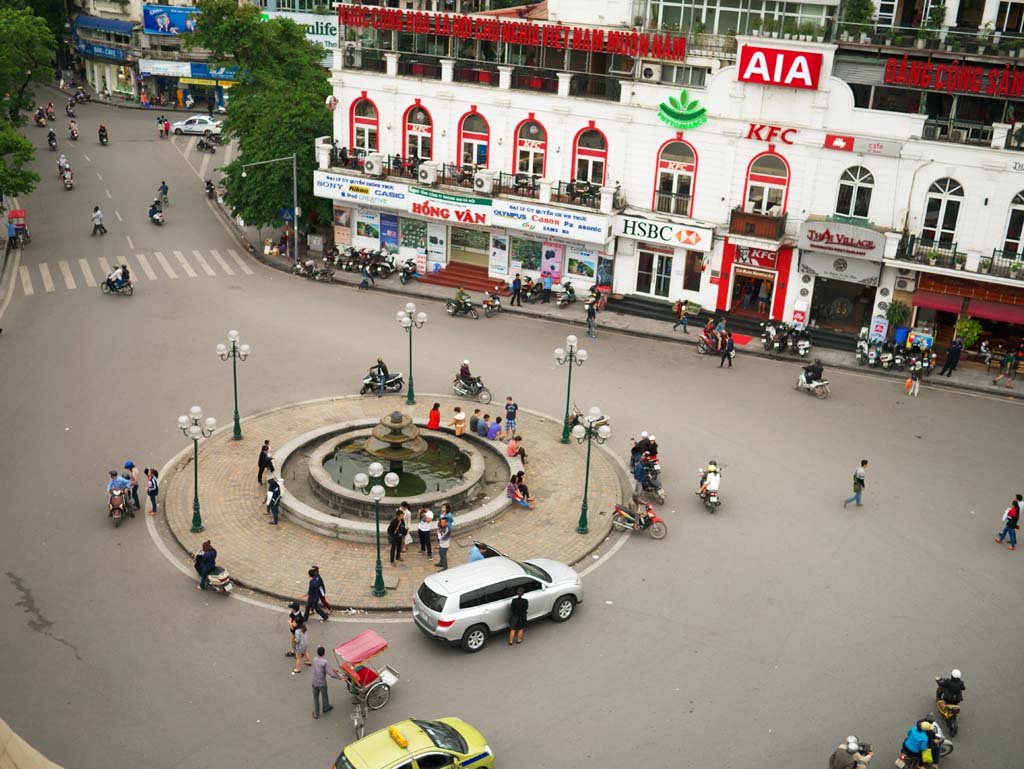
(168, 19)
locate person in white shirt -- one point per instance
(711, 480)
(426, 517)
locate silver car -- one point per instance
(467, 603)
(197, 124)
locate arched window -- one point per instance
(767, 183)
(531, 148)
(855, 186)
(419, 132)
(590, 155)
(363, 125)
(1011, 243)
(942, 209)
(677, 165)
(474, 140)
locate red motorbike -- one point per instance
(645, 519)
(708, 344)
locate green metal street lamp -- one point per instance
(588, 430)
(409, 319)
(193, 426)
(377, 492)
(236, 353)
(570, 357)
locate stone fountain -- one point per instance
(395, 440)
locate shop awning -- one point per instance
(1008, 313)
(116, 26)
(933, 300)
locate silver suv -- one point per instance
(467, 603)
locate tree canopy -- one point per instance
(275, 109)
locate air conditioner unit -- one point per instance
(483, 182)
(427, 173)
(374, 164)
(650, 72)
(352, 55)
(903, 272)
(905, 284)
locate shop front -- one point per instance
(753, 282)
(102, 47)
(998, 307)
(663, 260)
(840, 267)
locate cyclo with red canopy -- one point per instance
(368, 685)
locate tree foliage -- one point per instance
(275, 109)
(26, 56)
(15, 153)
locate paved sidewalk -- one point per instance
(274, 559)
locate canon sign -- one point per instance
(777, 66)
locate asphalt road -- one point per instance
(757, 637)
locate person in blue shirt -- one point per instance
(483, 427)
(548, 281)
(494, 432)
(640, 475)
(117, 482)
(919, 738)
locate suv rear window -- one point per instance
(430, 599)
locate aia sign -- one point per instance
(777, 66)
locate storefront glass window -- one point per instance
(475, 139)
(676, 165)
(1011, 17)
(1011, 243)
(419, 131)
(896, 99)
(942, 210)
(364, 126)
(653, 273)
(766, 185)
(855, 188)
(531, 145)
(591, 154)
(694, 269)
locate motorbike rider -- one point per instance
(710, 480)
(51, 137)
(845, 756)
(62, 164)
(72, 127)
(640, 474)
(920, 738)
(641, 510)
(951, 689)
(639, 447)
(118, 277)
(103, 133)
(206, 562)
(652, 446)
(154, 209)
(813, 372)
(380, 370)
(209, 188)
(465, 376)
(40, 114)
(461, 298)
(117, 482)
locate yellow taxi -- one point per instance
(445, 743)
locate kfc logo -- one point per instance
(775, 66)
(770, 133)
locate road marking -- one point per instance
(105, 266)
(185, 265)
(87, 158)
(83, 265)
(145, 266)
(44, 272)
(167, 267)
(238, 260)
(65, 270)
(204, 264)
(26, 281)
(130, 244)
(99, 176)
(118, 215)
(220, 260)
(109, 196)
(205, 164)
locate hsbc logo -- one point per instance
(780, 67)
(678, 235)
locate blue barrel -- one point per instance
(901, 335)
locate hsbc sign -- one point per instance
(665, 233)
(780, 67)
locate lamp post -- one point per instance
(193, 426)
(570, 356)
(587, 431)
(410, 319)
(377, 492)
(295, 196)
(236, 353)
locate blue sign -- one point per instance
(286, 214)
(105, 51)
(168, 19)
(203, 71)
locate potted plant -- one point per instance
(933, 257)
(956, 45)
(771, 26)
(984, 265)
(967, 330)
(922, 36)
(807, 30)
(1015, 270)
(755, 25)
(960, 260)
(897, 314)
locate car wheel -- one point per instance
(564, 608)
(177, 132)
(474, 639)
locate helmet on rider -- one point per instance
(852, 747)
(129, 464)
(652, 439)
(465, 363)
(956, 674)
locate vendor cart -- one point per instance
(370, 687)
(17, 228)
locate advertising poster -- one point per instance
(581, 262)
(526, 254)
(342, 226)
(168, 20)
(413, 242)
(389, 233)
(437, 244)
(605, 269)
(367, 229)
(497, 265)
(552, 261)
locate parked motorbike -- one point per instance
(219, 579)
(383, 265)
(323, 274)
(205, 145)
(371, 383)
(466, 307)
(576, 416)
(567, 295)
(81, 96)
(819, 386)
(125, 289)
(492, 302)
(885, 359)
(532, 291)
(768, 334)
(861, 349)
(781, 340)
(474, 389)
(708, 344)
(646, 520)
(407, 271)
(899, 357)
(873, 353)
(305, 269)
(119, 506)
(803, 342)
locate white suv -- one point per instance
(465, 604)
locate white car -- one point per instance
(197, 124)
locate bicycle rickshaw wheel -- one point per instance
(378, 695)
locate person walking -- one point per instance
(511, 413)
(858, 484)
(547, 281)
(314, 592)
(152, 487)
(321, 670)
(133, 478)
(915, 379)
(301, 647)
(458, 422)
(366, 278)
(727, 350)
(97, 221)
(517, 622)
(426, 516)
(679, 312)
(952, 358)
(167, 127)
(265, 461)
(591, 320)
(274, 498)
(294, 620)
(517, 292)
(434, 417)
(1011, 522)
(1008, 368)
(396, 535)
(444, 539)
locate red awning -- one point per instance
(1008, 313)
(933, 300)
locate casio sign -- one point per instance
(779, 67)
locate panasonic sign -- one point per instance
(685, 236)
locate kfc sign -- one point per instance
(776, 66)
(770, 133)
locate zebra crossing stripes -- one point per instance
(44, 273)
(104, 267)
(185, 265)
(203, 264)
(65, 271)
(241, 262)
(220, 260)
(26, 280)
(83, 265)
(165, 265)
(146, 268)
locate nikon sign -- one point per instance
(686, 236)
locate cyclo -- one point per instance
(370, 688)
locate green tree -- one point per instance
(276, 107)
(26, 56)
(15, 152)
(858, 13)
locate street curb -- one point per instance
(125, 104)
(173, 464)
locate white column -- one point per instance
(504, 76)
(447, 70)
(564, 81)
(111, 79)
(988, 16)
(952, 11)
(392, 64)
(545, 190)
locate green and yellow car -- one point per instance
(446, 743)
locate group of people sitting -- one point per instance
(518, 491)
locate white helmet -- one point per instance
(643, 434)
(852, 747)
(956, 674)
(465, 363)
(852, 738)
(653, 439)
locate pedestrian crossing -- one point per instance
(69, 275)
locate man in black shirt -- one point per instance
(517, 623)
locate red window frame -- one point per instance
(601, 155)
(405, 129)
(477, 137)
(692, 170)
(530, 118)
(363, 121)
(763, 179)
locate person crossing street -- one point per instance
(97, 221)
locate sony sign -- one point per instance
(780, 67)
(664, 233)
